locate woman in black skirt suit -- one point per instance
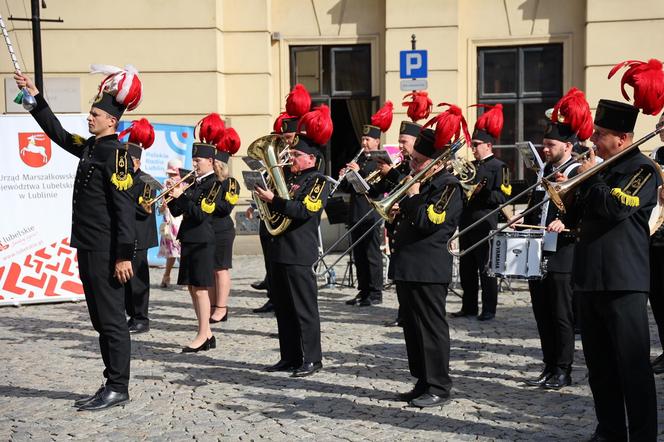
(224, 229)
(196, 234)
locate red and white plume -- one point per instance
(382, 119)
(123, 84)
(210, 129)
(298, 101)
(317, 124)
(491, 121)
(449, 124)
(277, 127)
(573, 109)
(141, 133)
(647, 79)
(419, 106)
(230, 142)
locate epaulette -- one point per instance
(233, 193)
(208, 203)
(436, 212)
(121, 179)
(146, 194)
(628, 195)
(505, 186)
(78, 141)
(312, 201)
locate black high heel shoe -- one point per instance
(223, 319)
(203, 347)
(213, 342)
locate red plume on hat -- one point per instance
(491, 121)
(573, 109)
(210, 129)
(419, 106)
(230, 142)
(141, 133)
(448, 124)
(277, 127)
(382, 119)
(298, 101)
(647, 79)
(317, 124)
(123, 84)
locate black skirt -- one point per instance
(197, 265)
(223, 250)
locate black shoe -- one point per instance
(428, 400)
(282, 366)
(461, 313)
(106, 399)
(395, 323)
(558, 381)
(368, 302)
(658, 364)
(88, 399)
(223, 318)
(541, 379)
(486, 316)
(139, 327)
(259, 285)
(205, 346)
(356, 300)
(597, 437)
(307, 369)
(213, 342)
(410, 395)
(265, 308)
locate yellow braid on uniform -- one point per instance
(122, 183)
(232, 197)
(140, 199)
(435, 217)
(628, 200)
(208, 207)
(311, 205)
(506, 189)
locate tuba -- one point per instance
(269, 150)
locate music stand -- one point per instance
(337, 210)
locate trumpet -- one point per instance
(148, 202)
(558, 193)
(375, 177)
(384, 206)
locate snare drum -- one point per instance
(517, 255)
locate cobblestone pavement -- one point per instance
(50, 358)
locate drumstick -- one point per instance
(530, 226)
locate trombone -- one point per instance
(147, 203)
(558, 193)
(384, 206)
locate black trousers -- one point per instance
(427, 335)
(104, 296)
(469, 266)
(369, 260)
(137, 290)
(551, 299)
(656, 295)
(616, 344)
(295, 296)
(265, 244)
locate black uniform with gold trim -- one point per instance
(103, 231)
(656, 295)
(421, 267)
(611, 280)
(292, 283)
(224, 229)
(137, 289)
(493, 177)
(196, 233)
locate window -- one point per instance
(527, 80)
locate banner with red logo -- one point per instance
(36, 180)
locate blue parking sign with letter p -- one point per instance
(413, 64)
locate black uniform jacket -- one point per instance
(562, 260)
(299, 243)
(196, 205)
(146, 222)
(421, 229)
(612, 252)
(492, 176)
(359, 205)
(102, 210)
(221, 220)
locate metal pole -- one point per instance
(36, 45)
